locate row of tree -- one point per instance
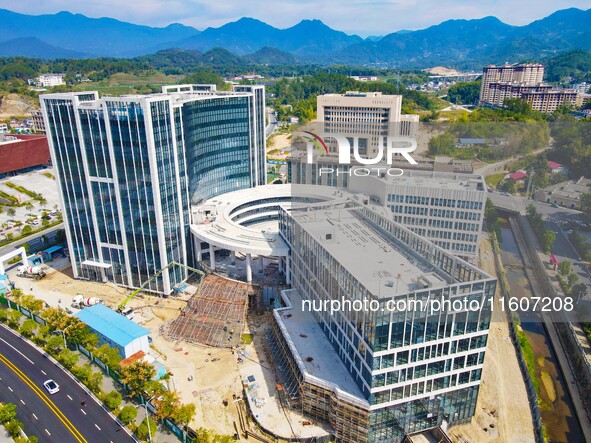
(545, 236)
(137, 376)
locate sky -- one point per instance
(362, 17)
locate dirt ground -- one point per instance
(277, 144)
(502, 412)
(201, 375)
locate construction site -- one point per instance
(215, 315)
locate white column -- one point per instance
(287, 270)
(197, 246)
(262, 264)
(211, 257)
(248, 268)
(233, 257)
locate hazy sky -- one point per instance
(363, 17)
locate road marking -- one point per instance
(96, 426)
(45, 399)
(27, 358)
(43, 372)
(83, 411)
(35, 417)
(70, 397)
(10, 389)
(22, 401)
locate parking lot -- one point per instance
(28, 211)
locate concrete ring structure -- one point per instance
(245, 221)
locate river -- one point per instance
(555, 405)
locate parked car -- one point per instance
(51, 386)
(554, 205)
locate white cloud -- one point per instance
(364, 17)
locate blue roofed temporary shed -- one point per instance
(116, 330)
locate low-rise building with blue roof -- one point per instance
(116, 330)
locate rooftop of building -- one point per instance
(314, 354)
(382, 266)
(111, 324)
(571, 188)
(432, 179)
(215, 221)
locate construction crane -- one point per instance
(141, 288)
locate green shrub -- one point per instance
(113, 400)
(127, 414)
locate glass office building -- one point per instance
(413, 367)
(129, 167)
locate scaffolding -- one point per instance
(215, 315)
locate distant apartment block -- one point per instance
(529, 74)
(50, 80)
(549, 101)
(38, 122)
(525, 82)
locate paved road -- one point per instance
(56, 418)
(30, 239)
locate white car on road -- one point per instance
(51, 386)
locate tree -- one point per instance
(14, 319)
(82, 373)
(28, 327)
(45, 222)
(26, 230)
(166, 404)
(113, 400)
(13, 427)
(136, 375)
(67, 358)
(128, 414)
(95, 382)
(29, 206)
(144, 428)
(31, 303)
(11, 212)
(184, 414)
(564, 268)
(7, 412)
(108, 355)
(548, 240)
(572, 279)
(54, 344)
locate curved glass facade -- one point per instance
(129, 167)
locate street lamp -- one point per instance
(64, 334)
(148, 416)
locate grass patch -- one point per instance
(528, 356)
(13, 201)
(49, 175)
(495, 179)
(247, 339)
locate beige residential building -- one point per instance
(549, 101)
(528, 74)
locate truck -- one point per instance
(35, 272)
(81, 302)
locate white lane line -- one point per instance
(70, 397)
(26, 358)
(35, 417)
(83, 411)
(96, 426)
(22, 401)
(43, 372)
(47, 432)
(10, 389)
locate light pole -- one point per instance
(64, 335)
(148, 417)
